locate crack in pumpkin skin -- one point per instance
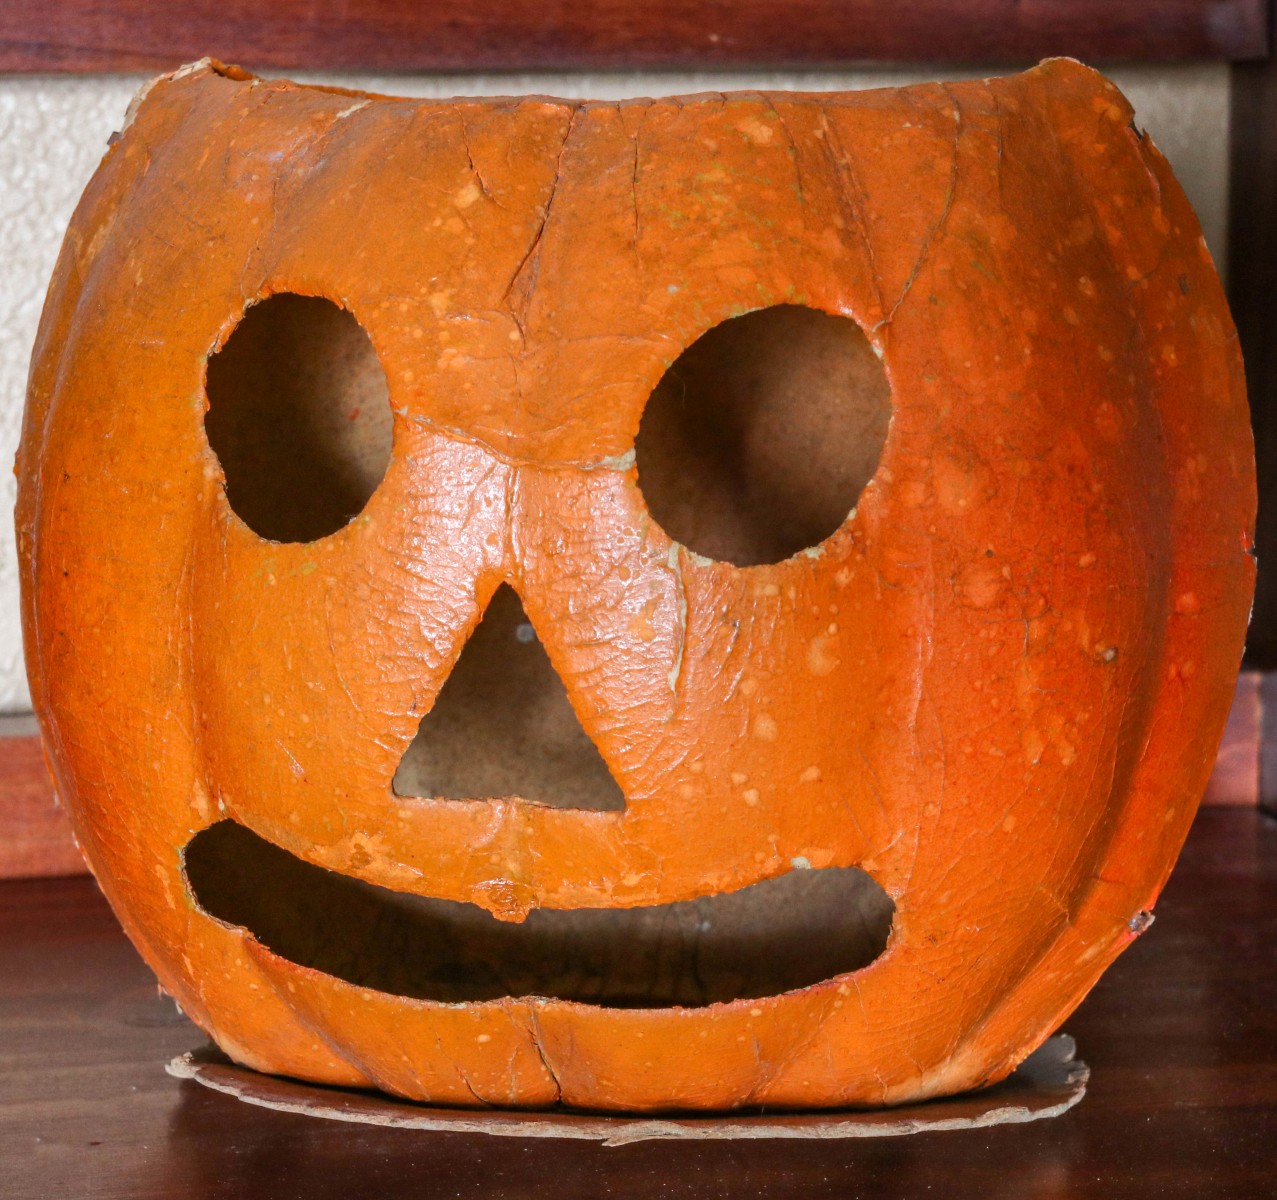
(1054, 412)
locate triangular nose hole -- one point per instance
(502, 725)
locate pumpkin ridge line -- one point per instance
(612, 462)
(534, 1036)
(478, 175)
(531, 259)
(851, 199)
(938, 227)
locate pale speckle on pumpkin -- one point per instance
(954, 486)
(981, 583)
(765, 729)
(1034, 745)
(819, 660)
(758, 131)
(467, 195)
(200, 801)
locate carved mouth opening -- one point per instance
(785, 933)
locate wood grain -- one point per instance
(1182, 1102)
(456, 35)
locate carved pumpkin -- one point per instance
(413, 749)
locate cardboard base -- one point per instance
(1049, 1082)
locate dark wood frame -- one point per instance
(469, 35)
(1252, 286)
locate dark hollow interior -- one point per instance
(789, 932)
(761, 436)
(299, 417)
(502, 725)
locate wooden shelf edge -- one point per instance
(35, 834)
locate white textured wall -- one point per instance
(54, 130)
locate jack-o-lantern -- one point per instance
(450, 637)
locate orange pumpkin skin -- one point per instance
(1041, 596)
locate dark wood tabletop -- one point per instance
(1181, 1037)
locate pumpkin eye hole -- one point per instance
(299, 417)
(760, 437)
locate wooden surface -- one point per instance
(145, 35)
(1179, 1035)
